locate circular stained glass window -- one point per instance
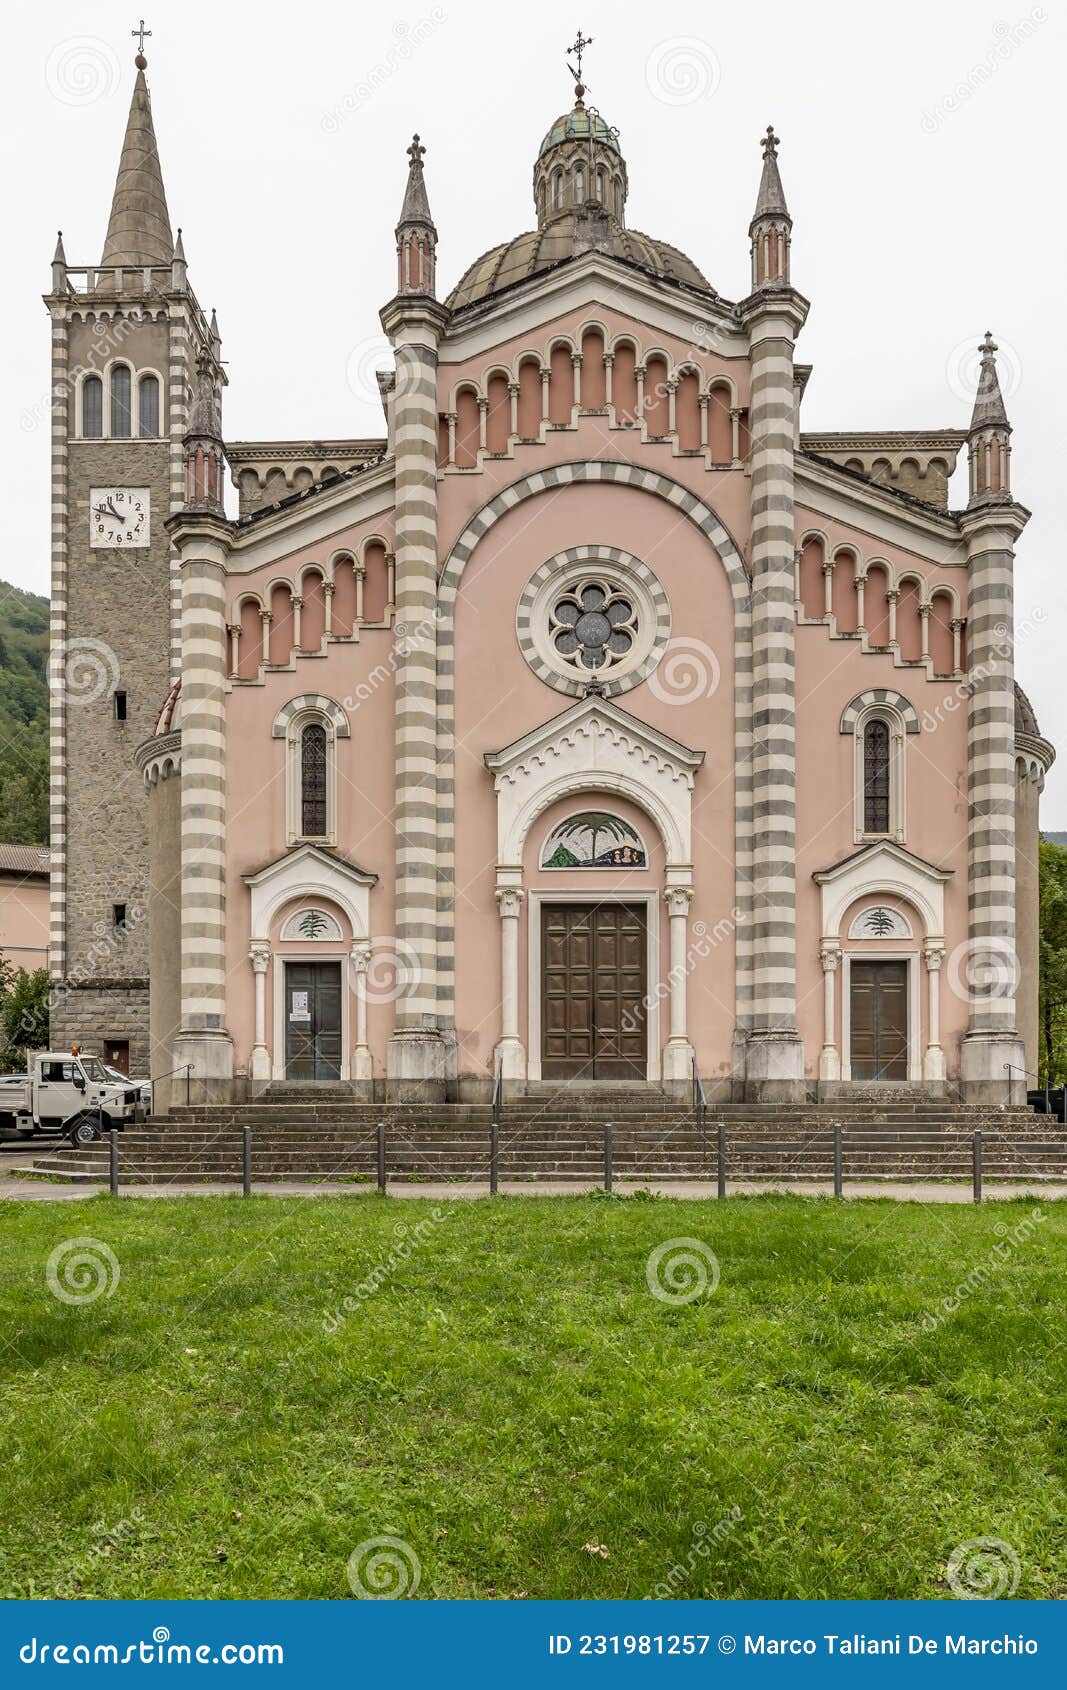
(593, 624)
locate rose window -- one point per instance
(593, 625)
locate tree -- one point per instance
(1053, 961)
(594, 822)
(23, 1014)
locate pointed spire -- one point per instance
(770, 201)
(989, 401)
(178, 268)
(205, 457)
(59, 256)
(138, 231)
(204, 421)
(989, 438)
(59, 266)
(771, 223)
(416, 236)
(216, 338)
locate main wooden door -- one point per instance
(313, 1020)
(879, 1028)
(594, 982)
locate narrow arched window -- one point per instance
(121, 393)
(92, 408)
(541, 200)
(600, 186)
(148, 407)
(313, 781)
(876, 777)
(579, 186)
(557, 190)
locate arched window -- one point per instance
(600, 186)
(557, 190)
(121, 410)
(148, 407)
(877, 776)
(92, 408)
(313, 782)
(541, 200)
(579, 186)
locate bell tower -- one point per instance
(127, 332)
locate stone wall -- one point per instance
(91, 1012)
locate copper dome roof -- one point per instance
(541, 249)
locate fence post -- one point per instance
(246, 1161)
(607, 1156)
(113, 1161)
(977, 1166)
(837, 1159)
(188, 1078)
(721, 1160)
(494, 1156)
(381, 1158)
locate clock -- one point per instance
(118, 517)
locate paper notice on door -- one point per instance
(298, 1007)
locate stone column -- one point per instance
(362, 1067)
(259, 957)
(992, 1040)
(678, 1051)
(830, 1057)
(510, 1051)
(416, 1063)
(934, 1056)
(775, 1058)
(203, 542)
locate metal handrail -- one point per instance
(1028, 1073)
(494, 1128)
(700, 1108)
(185, 1068)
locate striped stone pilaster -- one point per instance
(989, 972)
(417, 1057)
(177, 415)
(775, 1059)
(202, 1039)
(57, 705)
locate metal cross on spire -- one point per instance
(140, 33)
(578, 48)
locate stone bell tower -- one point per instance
(126, 334)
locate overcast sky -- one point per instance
(922, 156)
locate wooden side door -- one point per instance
(878, 1005)
(312, 1020)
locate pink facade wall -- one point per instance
(24, 921)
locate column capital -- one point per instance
(678, 899)
(509, 900)
(259, 956)
(361, 954)
(830, 956)
(933, 956)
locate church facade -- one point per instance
(596, 723)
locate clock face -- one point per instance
(118, 517)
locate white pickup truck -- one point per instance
(67, 1091)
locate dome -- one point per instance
(541, 249)
(1025, 717)
(574, 126)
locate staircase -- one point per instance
(559, 1136)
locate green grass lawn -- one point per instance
(508, 1398)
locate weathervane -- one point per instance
(578, 48)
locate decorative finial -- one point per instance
(140, 61)
(416, 152)
(578, 48)
(988, 346)
(769, 143)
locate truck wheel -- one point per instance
(84, 1130)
